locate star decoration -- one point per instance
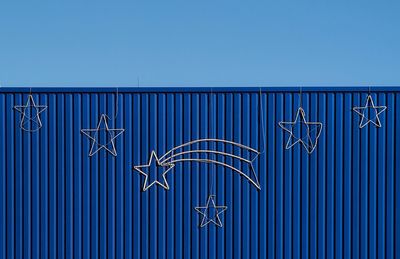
(211, 212)
(366, 113)
(30, 119)
(153, 167)
(301, 131)
(98, 142)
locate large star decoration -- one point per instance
(97, 143)
(30, 119)
(211, 212)
(150, 170)
(310, 139)
(366, 116)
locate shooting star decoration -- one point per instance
(104, 141)
(296, 128)
(30, 115)
(190, 152)
(211, 212)
(369, 113)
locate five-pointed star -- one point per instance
(205, 211)
(312, 129)
(365, 119)
(111, 133)
(152, 167)
(30, 119)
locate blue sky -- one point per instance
(199, 43)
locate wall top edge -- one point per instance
(196, 89)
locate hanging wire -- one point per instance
(116, 104)
(300, 96)
(212, 169)
(264, 141)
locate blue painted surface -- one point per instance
(342, 201)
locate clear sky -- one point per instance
(199, 43)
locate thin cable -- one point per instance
(262, 123)
(300, 96)
(212, 169)
(116, 105)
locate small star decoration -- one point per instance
(98, 142)
(369, 113)
(153, 169)
(301, 131)
(30, 119)
(211, 212)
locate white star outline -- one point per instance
(369, 104)
(219, 209)
(35, 119)
(94, 141)
(308, 147)
(146, 186)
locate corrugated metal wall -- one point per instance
(342, 201)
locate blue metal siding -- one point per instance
(342, 201)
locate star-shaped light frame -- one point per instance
(33, 119)
(203, 211)
(153, 157)
(95, 143)
(313, 144)
(369, 104)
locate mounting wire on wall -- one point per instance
(261, 114)
(210, 212)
